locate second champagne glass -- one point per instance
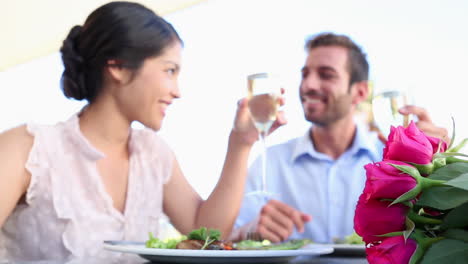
(385, 107)
(264, 90)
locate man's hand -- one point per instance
(425, 123)
(277, 221)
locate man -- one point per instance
(321, 174)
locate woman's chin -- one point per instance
(156, 126)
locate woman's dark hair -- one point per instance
(125, 32)
(358, 66)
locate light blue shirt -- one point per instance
(314, 183)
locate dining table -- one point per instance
(323, 259)
(130, 252)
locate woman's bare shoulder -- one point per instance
(16, 143)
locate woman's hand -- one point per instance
(243, 123)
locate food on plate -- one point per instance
(266, 245)
(209, 239)
(353, 239)
(202, 238)
(169, 243)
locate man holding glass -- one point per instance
(316, 179)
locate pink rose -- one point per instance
(387, 182)
(374, 217)
(392, 250)
(411, 145)
(435, 144)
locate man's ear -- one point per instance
(360, 92)
(116, 72)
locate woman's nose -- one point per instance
(176, 91)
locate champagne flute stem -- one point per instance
(406, 118)
(264, 161)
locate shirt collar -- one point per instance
(72, 125)
(304, 146)
(367, 141)
(364, 141)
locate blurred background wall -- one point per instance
(419, 46)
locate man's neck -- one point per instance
(334, 139)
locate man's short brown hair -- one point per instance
(358, 66)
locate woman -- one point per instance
(66, 188)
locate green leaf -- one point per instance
(450, 160)
(443, 198)
(456, 218)
(204, 234)
(424, 168)
(214, 234)
(450, 171)
(446, 251)
(457, 234)
(267, 245)
(449, 148)
(448, 154)
(459, 146)
(391, 234)
(409, 228)
(408, 170)
(460, 182)
(289, 245)
(198, 234)
(422, 219)
(409, 195)
(169, 243)
(439, 163)
(251, 244)
(417, 255)
(354, 238)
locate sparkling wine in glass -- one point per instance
(385, 107)
(264, 90)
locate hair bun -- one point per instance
(73, 79)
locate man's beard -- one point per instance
(337, 110)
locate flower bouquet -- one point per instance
(414, 207)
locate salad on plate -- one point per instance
(209, 239)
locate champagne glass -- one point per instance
(385, 107)
(264, 90)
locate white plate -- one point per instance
(348, 249)
(216, 256)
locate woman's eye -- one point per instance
(171, 71)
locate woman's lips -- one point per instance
(164, 106)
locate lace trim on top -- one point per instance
(68, 213)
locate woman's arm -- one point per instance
(184, 206)
(188, 211)
(15, 145)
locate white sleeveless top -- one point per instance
(67, 212)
